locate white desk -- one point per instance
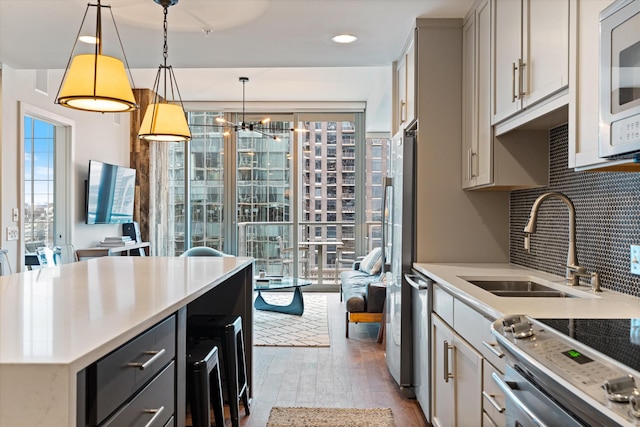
(320, 245)
(99, 251)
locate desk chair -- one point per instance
(5, 266)
(48, 257)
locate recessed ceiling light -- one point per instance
(88, 39)
(344, 38)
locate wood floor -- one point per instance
(350, 373)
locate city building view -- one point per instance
(292, 191)
(38, 184)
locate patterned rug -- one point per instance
(286, 330)
(333, 417)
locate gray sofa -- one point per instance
(364, 297)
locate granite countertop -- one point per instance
(451, 277)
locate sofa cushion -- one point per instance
(372, 263)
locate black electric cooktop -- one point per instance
(616, 338)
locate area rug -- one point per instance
(287, 330)
(330, 417)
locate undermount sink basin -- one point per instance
(519, 288)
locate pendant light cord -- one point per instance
(165, 47)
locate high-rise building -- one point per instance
(265, 191)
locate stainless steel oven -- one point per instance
(569, 372)
(527, 406)
(620, 79)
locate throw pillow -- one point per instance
(372, 263)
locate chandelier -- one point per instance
(261, 127)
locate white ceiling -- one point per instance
(283, 46)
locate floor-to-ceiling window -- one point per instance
(39, 151)
(261, 192)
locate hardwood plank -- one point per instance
(350, 373)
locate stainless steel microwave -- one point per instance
(620, 80)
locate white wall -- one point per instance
(95, 136)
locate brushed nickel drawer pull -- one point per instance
(492, 347)
(145, 365)
(492, 400)
(156, 414)
(446, 347)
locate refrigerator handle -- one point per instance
(388, 182)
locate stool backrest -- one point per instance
(203, 251)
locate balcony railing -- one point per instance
(275, 252)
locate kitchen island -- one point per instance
(56, 323)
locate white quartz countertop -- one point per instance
(73, 314)
(606, 304)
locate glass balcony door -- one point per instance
(248, 194)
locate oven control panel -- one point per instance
(574, 364)
(600, 381)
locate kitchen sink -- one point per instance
(519, 288)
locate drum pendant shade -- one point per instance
(164, 122)
(111, 93)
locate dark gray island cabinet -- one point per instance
(103, 342)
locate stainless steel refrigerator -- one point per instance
(398, 232)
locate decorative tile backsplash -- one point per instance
(607, 208)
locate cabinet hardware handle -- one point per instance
(473, 163)
(156, 414)
(494, 348)
(145, 365)
(403, 111)
(492, 400)
(446, 349)
(513, 82)
(521, 65)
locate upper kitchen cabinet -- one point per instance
(404, 86)
(517, 159)
(584, 83)
(477, 133)
(531, 56)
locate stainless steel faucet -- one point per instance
(574, 271)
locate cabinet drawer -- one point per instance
(476, 329)
(492, 397)
(443, 304)
(122, 373)
(152, 407)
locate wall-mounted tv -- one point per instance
(110, 193)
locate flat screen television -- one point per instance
(110, 193)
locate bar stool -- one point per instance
(204, 385)
(228, 330)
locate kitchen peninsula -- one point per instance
(56, 323)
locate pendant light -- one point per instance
(164, 119)
(93, 81)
